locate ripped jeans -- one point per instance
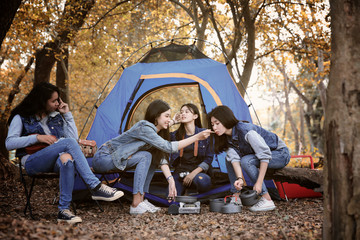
(48, 160)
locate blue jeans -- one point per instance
(48, 160)
(202, 183)
(250, 164)
(143, 172)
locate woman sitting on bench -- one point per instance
(44, 134)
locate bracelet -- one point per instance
(240, 178)
(169, 177)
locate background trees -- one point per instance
(79, 45)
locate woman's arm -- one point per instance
(167, 173)
(233, 157)
(262, 152)
(70, 129)
(149, 135)
(239, 182)
(260, 179)
(14, 140)
(197, 137)
(189, 178)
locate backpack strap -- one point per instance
(196, 146)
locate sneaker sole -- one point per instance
(263, 210)
(137, 213)
(117, 195)
(73, 221)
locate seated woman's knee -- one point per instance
(70, 141)
(65, 157)
(146, 156)
(203, 181)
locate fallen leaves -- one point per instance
(296, 219)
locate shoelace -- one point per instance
(107, 189)
(68, 213)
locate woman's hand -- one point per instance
(238, 184)
(172, 190)
(177, 118)
(48, 139)
(63, 107)
(188, 179)
(258, 187)
(204, 134)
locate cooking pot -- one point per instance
(217, 203)
(185, 199)
(249, 197)
(230, 207)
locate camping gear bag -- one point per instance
(88, 147)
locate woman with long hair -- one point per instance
(42, 119)
(249, 147)
(192, 162)
(144, 146)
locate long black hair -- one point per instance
(227, 118)
(153, 111)
(35, 102)
(180, 133)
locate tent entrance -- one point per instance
(174, 94)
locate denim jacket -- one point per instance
(248, 139)
(141, 137)
(205, 155)
(58, 127)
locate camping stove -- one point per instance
(189, 207)
(185, 204)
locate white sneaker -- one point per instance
(263, 205)
(139, 209)
(152, 207)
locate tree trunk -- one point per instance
(4, 154)
(45, 60)
(73, 18)
(8, 9)
(62, 76)
(342, 129)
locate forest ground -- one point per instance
(295, 219)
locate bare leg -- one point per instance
(137, 199)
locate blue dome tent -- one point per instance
(161, 71)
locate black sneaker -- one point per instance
(67, 216)
(107, 193)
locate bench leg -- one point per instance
(27, 194)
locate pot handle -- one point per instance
(225, 202)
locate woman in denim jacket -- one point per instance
(42, 118)
(193, 162)
(250, 146)
(145, 145)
